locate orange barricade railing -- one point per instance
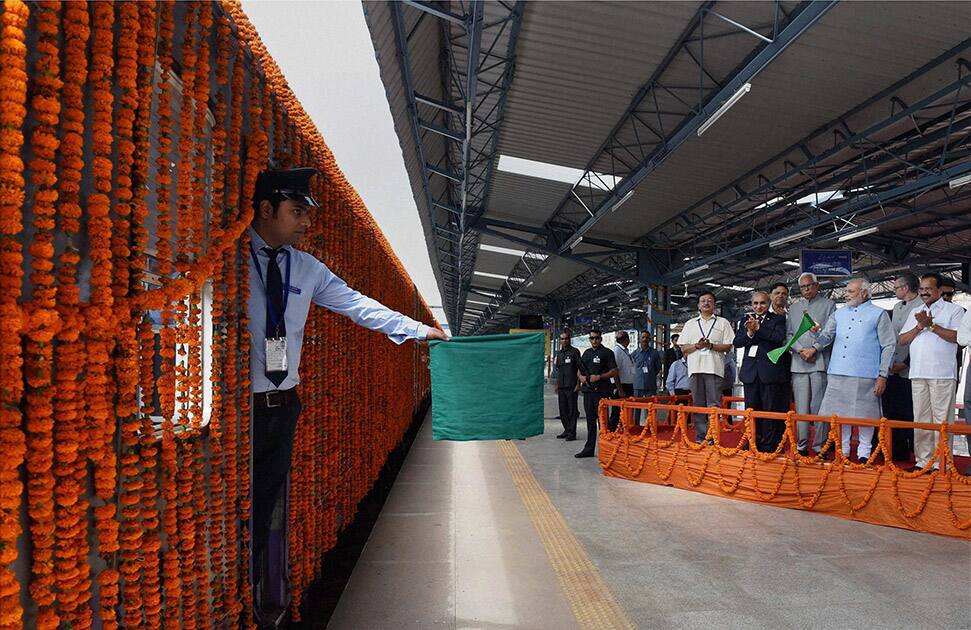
(931, 499)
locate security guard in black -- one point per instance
(567, 362)
(597, 361)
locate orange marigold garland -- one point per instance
(71, 550)
(234, 393)
(216, 534)
(13, 98)
(43, 317)
(126, 359)
(194, 327)
(165, 384)
(148, 578)
(99, 313)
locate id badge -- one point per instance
(596, 359)
(645, 370)
(753, 350)
(568, 360)
(276, 354)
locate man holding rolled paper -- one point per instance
(863, 342)
(809, 377)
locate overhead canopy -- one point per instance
(659, 144)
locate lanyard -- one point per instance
(274, 319)
(714, 320)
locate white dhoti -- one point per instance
(852, 397)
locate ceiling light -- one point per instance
(621, 201)
(960, 181)
(696, 269)
(575, 241)
(742, 91)
(790, 263)
(486, 274)
(478, 302)
(857, 234)
(791, 237)
(501, 250)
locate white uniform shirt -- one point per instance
(707, 361)
(311, 281)
(931, 356)
(964, 330)
(625, 364)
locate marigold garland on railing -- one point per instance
(626, 451)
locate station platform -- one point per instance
(519, 534)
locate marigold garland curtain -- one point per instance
(488, 387)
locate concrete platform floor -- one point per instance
(454, 547)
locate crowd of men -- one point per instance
(859, 361)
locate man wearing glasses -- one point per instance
(597, 367)
(567, 362)
(809, 373)
(705, 340)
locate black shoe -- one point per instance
(804, 452)
(915, 469)
(561, 435)
(863, 460)
(570, 438)
(583, 454)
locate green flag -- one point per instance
(804, 326)
(488, 387)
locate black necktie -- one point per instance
(760, 317)
(274, 307)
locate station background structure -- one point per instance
(131, 135)
(601, 163)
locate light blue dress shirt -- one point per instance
(312, 281)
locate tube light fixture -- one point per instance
(791, 237)
(857, 234)
(960, 181)
(696, 269)
(575, 241)
(622, 200)
(742, 91)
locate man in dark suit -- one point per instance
(766, 383)
(671, 355)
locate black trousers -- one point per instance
(591, 405)
(567, 398)
(768, 397)
(273, 428)
(614, 420)
(898, 404)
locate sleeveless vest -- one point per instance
(856, 348)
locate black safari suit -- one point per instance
(767, 384)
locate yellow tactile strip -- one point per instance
(594, 606)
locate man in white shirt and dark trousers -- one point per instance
(931, 333)
(625, 374)
(704, 341)
(284, 281)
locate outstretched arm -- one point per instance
(333, 294)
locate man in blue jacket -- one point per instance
(766, 383)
